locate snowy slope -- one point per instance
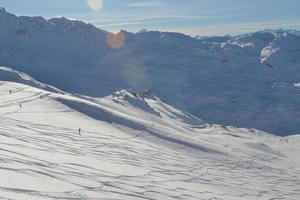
(9, 74)
(247, 80)
(132, 146)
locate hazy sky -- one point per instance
(195, 17)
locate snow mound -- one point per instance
(135, 99)
(146, 101)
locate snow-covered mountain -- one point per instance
(249, 80)
(131, 145)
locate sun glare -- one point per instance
(116, 41)
(95, 5)
(133, 72)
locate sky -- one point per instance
(193, 17)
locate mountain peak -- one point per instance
(133, 94)
(3, 12)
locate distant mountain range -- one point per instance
(250, 80)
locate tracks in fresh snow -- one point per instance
(44, 159)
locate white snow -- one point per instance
(10, 74)
(267, 52)
(297, 85)
(133, 146)
(238, 43)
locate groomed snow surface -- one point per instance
(132, 146)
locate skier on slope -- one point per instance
(79, 131)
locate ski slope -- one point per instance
(132, 146)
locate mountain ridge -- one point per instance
(247, 80)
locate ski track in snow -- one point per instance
(43, 157)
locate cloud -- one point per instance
(157, 18)
(145, 4)
(202, 23)
(237, 28)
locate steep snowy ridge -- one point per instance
(246, 80)
(9, 74)
(286, 47)
(147, 102)
(267, 52)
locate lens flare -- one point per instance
(115, 41)
(95, 5)
(134, 73)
